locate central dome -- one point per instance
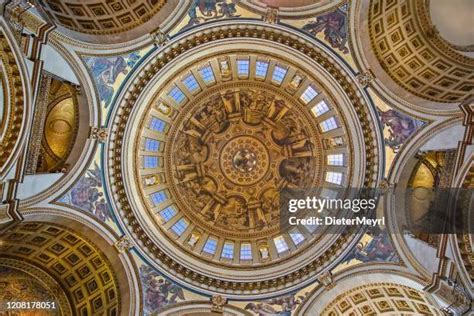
(209, 134)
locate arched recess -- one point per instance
(411, 65)
(25, 282)
(437, 141)
(75, 78)
(15, 113)
(373, 288)
(78, 255)
(462, 243)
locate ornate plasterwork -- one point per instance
(99, 133)
(244, 159)
(380, 298)
(465, 240)
(82, 270)
(25, 282)
(15, 103)
(217, 306)
(199, 275)
(102, 17)
(410, 50)
(291, 9)
(228, 151)
(135, 22)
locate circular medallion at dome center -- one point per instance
(244, 160)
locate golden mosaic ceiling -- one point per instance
(22, 282)
(60, 127)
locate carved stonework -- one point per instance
(34, 146)
(384, 185)
(123, 244)
(218, 303)
(454, 293)
(365, 78)
(271, 16)
(99, 133)
(326, 280)
(432, 32)
(230, 158)
(159, 37)
(12, 81)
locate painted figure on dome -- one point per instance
(379, 249)
(201, 11)
(280, 306)
(335, 27)
(87, 194)
(159, 292)
(105, 71)
(400, 127)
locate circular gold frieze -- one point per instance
(230, 152)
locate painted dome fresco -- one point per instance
(217, 137)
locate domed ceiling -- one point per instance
(108, 21)
(166, 135)
(224, 146)
(381, 299)
(57, 264)
(217, 136)
(427, 66)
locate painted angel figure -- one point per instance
(400, 127)
(105, 71)
(335, 27)
(210, 9)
